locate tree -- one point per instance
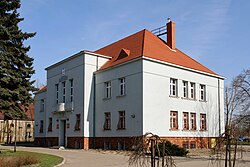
(237, 102)
(16, 67)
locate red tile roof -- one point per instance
(43, 89)
(29, 113)
(145, 43)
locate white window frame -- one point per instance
(63, 91)
(193, 125)
(108, 90)
(173, 120)
(192, 90)
(185, 89)
(203, 122)
(202, 92)
(173, 87)
(107, 121)
(57, 93)
(185, 118)
(122, 87)
(71, 81)
(122, 120)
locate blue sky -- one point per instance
(214, 32)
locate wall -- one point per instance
(157, 102)
(131, 103)
(25, 131)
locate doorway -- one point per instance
(63, 133)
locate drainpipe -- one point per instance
(219, 106)
(94, 104)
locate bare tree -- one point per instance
(149, 149)
(237, 102)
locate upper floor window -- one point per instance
(185, 121)
(202, 92)
(42, 105)
(185, 89)
(193, 121)
(57, 93)
(71, 90)
(203, 123)
(173, 87)
(50, 125)
(173, 120)
(192, 90)
(78, 121)
(107, 122)
(121, 123)
(41, 126)
(107, 89)
(64, 92)
(122, 86)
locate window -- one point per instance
(107, 122)
(57, 93)
(122, 86)
(185, 89)
(50, 125)
(108, 89)
(42, 105)
(173, 87)
(78, 120)
(64, 91)
(192, 90)
(121, 123)
(185, 121)
(202, 92)
(174, 120)
(193, 121)
(41, 126)
(203, 122)
(71, 90)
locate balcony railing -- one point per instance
(64, 107)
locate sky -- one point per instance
(216, 33)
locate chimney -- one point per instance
(171, 34)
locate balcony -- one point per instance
(64, 107)
(60, 107)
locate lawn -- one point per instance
(44, 160)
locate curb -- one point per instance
(63, 162)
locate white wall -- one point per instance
(131, 103)
(39, 115)
(157, 103)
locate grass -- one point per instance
(243, 143)
(44, 160)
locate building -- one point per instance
(138, 84)
(25, 128)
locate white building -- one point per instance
(138, 84)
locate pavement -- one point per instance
(96, 158)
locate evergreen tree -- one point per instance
(16, 67)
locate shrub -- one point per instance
(172, 149)
(18, 161)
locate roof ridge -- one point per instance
(143, 41)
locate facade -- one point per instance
(25, 128)
(138, 84)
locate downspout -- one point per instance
(94, 104)
(219, 106)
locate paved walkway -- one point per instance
(93, 158)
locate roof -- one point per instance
(29, 113)
(144, 43)
(43, 89)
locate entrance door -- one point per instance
(63, 133)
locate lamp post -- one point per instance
(15, 134)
